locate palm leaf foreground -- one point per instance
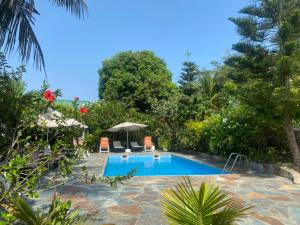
(207, 205)
(17, 18)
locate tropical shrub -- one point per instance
(185, 205)
(164, 143)
(59, 212)
(190, 137)
(196, 134)
(24, 156)
(240, 130)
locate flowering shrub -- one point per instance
(83, 110)
(24, 157)
(49, 96)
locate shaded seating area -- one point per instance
(127, 127)
(135, 147)
(106, 146)
(52, 119)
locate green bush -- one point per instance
(237, 130)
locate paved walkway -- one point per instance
(276, 199)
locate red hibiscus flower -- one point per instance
(83, 110)
(49, 96)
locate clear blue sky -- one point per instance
(74, 49)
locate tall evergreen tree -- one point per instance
(267, 67)
(188, 76)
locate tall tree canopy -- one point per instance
(188, 76)
(16, 20)
(136, 78)
(267, 68)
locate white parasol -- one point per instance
(127, 126)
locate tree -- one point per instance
(188, 76)
(16, 20)
(205, 94)
(267, 68)
(12, 102)
(135, 78)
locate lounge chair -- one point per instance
(104, 145)
(135, 147)
(148, 145)
(118, 147)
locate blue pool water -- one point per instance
(167, 165)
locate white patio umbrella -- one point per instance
(50, 119)
(127, 126)
(53, 118)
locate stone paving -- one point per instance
(276, 200)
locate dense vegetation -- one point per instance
(247, 104)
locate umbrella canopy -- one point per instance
(50, 119)
(73, 122)
(53, 118)
(127, 126)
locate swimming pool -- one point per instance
(166, 165)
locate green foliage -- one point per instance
(188, 76)
(115, 181)
(59, 213)
(186, 205)
(237, 130)
(165, 121)
(208, 95)
(135, 78)
(196, 134)
(241, 130)
(267, 77)
(164, 143)
(191, 137)
(23, 157)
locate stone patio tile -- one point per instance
(267, 219)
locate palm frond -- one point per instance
(207, 205)
(234, 211)
(17, 18)
(76, 7)
(20, 209)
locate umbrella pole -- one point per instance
(127, 139)
(47, 135)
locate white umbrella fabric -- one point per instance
(73, 122)
(53, 119)
(127, 126)
(50, 119)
